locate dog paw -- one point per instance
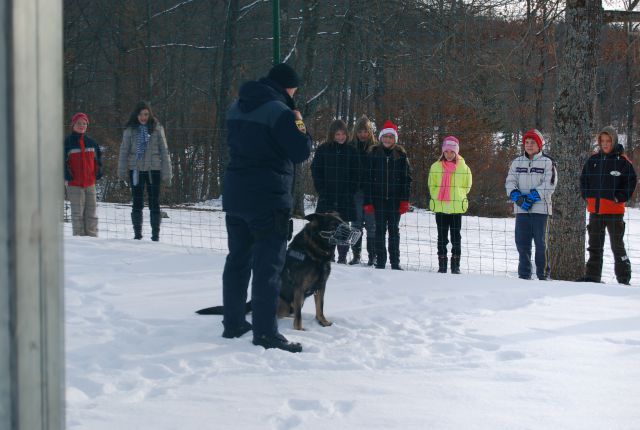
(324, 322)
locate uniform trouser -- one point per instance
(368, 221)
(83, 210)
(615, 226)
(257, 244)
(449, 224)
(151, 180)
(387, 219)
(532, 226)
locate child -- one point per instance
(335, 176)
(362, 140)
(82, 167)
(530, 183)
(449, 183)
(387, 192)
(608, 180)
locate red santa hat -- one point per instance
(389, 128)
(79, 116)
(535, 135)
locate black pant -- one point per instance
(368, 221)
(615, 226)
(449, 223)
(387, 219)
(152, 182)
(532, 227)
(257, 243)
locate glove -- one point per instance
(525, 202)
(534, 196)
(404, 207)
(515, 195)
(369, 209)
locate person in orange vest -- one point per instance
(607, 182)
(82, 167)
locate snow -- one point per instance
(410, 350)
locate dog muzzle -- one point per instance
(342, 235)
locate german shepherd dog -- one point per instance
(307, 267)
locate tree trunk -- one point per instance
(573, 123)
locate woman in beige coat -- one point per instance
(144, 162)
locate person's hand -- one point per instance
(404, 207)
(515, 195)
(297, 114)
(534, 195)
(525, 202)
(369, 209)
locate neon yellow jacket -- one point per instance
(460, 187)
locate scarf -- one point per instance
(445, 186)
(143, 141)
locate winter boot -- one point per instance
(396, 266)
(442, 263)
(155, 218)
(455, 264)
(136, 220)
(277, 341)
(372, 259)
(342, 254)
(356, 258)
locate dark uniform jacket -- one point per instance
(389, 179)
(264, 143)
(335, 171)
(608, 181)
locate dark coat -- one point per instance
(608, 181)
(335, 171)
(389, 179)
(362, 149)
(264, 143)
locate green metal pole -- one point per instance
(276, 31)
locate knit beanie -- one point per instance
(79, 116)
(284, 75)
(451, 143)
(389, 128)
(535, 135)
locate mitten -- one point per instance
(534, 196)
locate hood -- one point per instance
(254, 94)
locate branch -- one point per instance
(170, 10)
(317, 95)
(173, 45)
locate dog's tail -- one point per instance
(217, 310)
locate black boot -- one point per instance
(372, 260)
(396, 266)
(455, 264)
(277, 341)
(154, 218)
(342, 254)
(136, 220)
(442, 263)
(356, 258)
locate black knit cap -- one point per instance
(284, 75)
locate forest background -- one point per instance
(483, 70)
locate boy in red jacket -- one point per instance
(82, 167)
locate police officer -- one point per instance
(266, 136)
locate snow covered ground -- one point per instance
(408, 350)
